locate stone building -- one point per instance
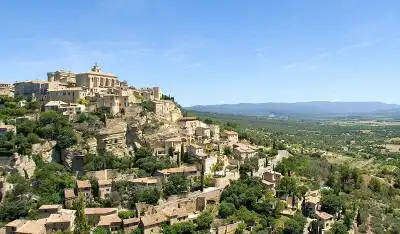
(66, 77)
(242, 151)
(62, 221)
(84, 187)
(62, 94)
(231, 136)
(174, 143)
(95, 79)
(215, 132)
(6, 90)
(7, 128)
(46, 210)
(203, 131)
(112, 138)
(30, 87)
(195, 150)
(104, 188)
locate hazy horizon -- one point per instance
(213, 52)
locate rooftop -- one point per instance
(60, 218)
(69, 193)
(32, 227)
(55, 103)
(323, 215)
(149, 220)
(131, 220)
(145, 180)
(107, 220)
(105, 182)
(16, 223)
(83, 184)
(100, 211)
(50, 207)
(179, 170)
(230, 132)
(195, 146)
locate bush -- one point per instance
(126, 214)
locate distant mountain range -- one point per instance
(319, 108)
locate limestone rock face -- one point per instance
(46, 150)
(24, 165)
(112, 137)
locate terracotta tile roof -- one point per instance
(83, 184)
(179, 170)
(227, 132)
(150, 220)
(131, 220)
(100, 211)
(145, 180)
(104, 182)
(69, 193)
(32, 227)
(323, 215)
(107, 220)
(61, 218)
(50, 207)
(16, 223)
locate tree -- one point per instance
(179, 228)
(82, 101)
(81, 224)
(149, 196)
(204, 220)
(287, 185)
(338, 228)
(176, 184)
(126, 214)
(226, 209)
(228, 151)
(100, 230)
(331, 203)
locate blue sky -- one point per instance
(213, 52)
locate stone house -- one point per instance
(187, 171)
(31, 87)
(46, 210)
(203, 131)
(104, 188)
(110, 222)
(231, 136)
(26, 227)
(311, 203)
(214, 132)
(189, 123)
(175, 143)
(195, 150)
(64, 94)
(7, 128)
(84, 187)
(94, 214)
(69, 197)
(271, 179)
(242, 151)
(145, 182)
(6, 90)
(111, 101)
(152, 224)
(60, 222)
(54, 105)
(326, 220)
(130, 224)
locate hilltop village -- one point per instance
(86, 152)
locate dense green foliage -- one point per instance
(176, 184)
